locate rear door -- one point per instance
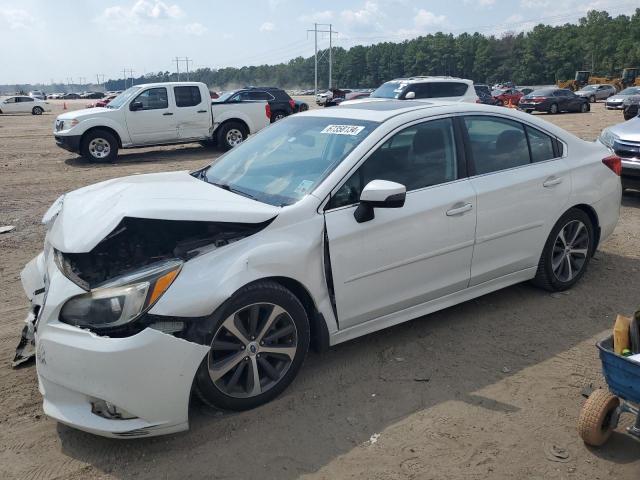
(155, 122)
(522, 187)
(192, 114)
(24, 104)
(404, 256)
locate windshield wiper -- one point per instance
(229, 188)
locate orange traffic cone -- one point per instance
(64, 106)
(509, 105)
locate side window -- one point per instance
(187, 96)
(241, 97)
(417, 157)
(24, 99)
(496, 143)
(541, 145)
(11, 100)
(260, 96)
(447, 89)
(421, 90)
(153, 99)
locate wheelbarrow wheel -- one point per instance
(594, 424)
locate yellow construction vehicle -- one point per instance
(630, 76)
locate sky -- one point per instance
(44, 41)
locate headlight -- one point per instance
(120, 301)
(68, 124)
(607, 138)
(53, 211)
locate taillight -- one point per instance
(293, 104)
(267, 110)
(614, 163)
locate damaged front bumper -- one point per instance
(143, 380)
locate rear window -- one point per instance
(543, 92)
(187, 96)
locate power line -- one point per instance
(331, 32)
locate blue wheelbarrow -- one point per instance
(601, 412)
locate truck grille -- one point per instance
(59, 125)
(627, 149)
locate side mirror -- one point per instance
(136, 106)
(410, 96)
(379, 194)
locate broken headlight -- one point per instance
(122, 300)
(52, 212)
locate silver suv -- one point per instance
(424, 88)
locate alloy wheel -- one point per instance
(252, 350)
(570, 251)
(234, 137)
(99, 148)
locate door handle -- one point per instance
(167, 113)
(459, 210)
(552, 182)
(202, 111)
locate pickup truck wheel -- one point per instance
(231, 134)
(99, 146)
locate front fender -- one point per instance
(206, 282)
(86, 125)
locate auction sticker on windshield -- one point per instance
(343, 129)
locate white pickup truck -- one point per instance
(158, 114)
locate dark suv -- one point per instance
(280, 102)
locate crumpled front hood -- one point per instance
(89, 214)
(629, 130)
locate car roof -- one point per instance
(422, 79)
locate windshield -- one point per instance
(224, 97)
(588, 88)
(630, 91)
(287, 160)
(389, 90)
(123, 97)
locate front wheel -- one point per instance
(566, 253)
(592, 99)
(258, 340)
(595, 423)
(554, 108)
(231, 134)
(37, 111)
(584, 108)
(99, 146)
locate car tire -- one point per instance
(304, 107)
(529, 110)
(564, 260)
(277, 115)
(37, 111)
(99, 146)
(584, 108)
(228, 383)
(592, 99)
(231, 134)
(594, 424)
(553, 109)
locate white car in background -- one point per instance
(23, 104)
(326, 226)
(449, 89)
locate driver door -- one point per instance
(155, 121)
(404, 256)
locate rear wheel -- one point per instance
(554, 108)
(259, 339)
(595, 422)
(37, 111)
(566, 253)
(277, 115)
(231, 134)
(99, 146)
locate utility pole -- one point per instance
(177, 59)
(124, 74)
(331, 32)
(98, 76)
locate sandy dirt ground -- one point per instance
(486, 389)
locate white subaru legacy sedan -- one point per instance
(326, 226)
